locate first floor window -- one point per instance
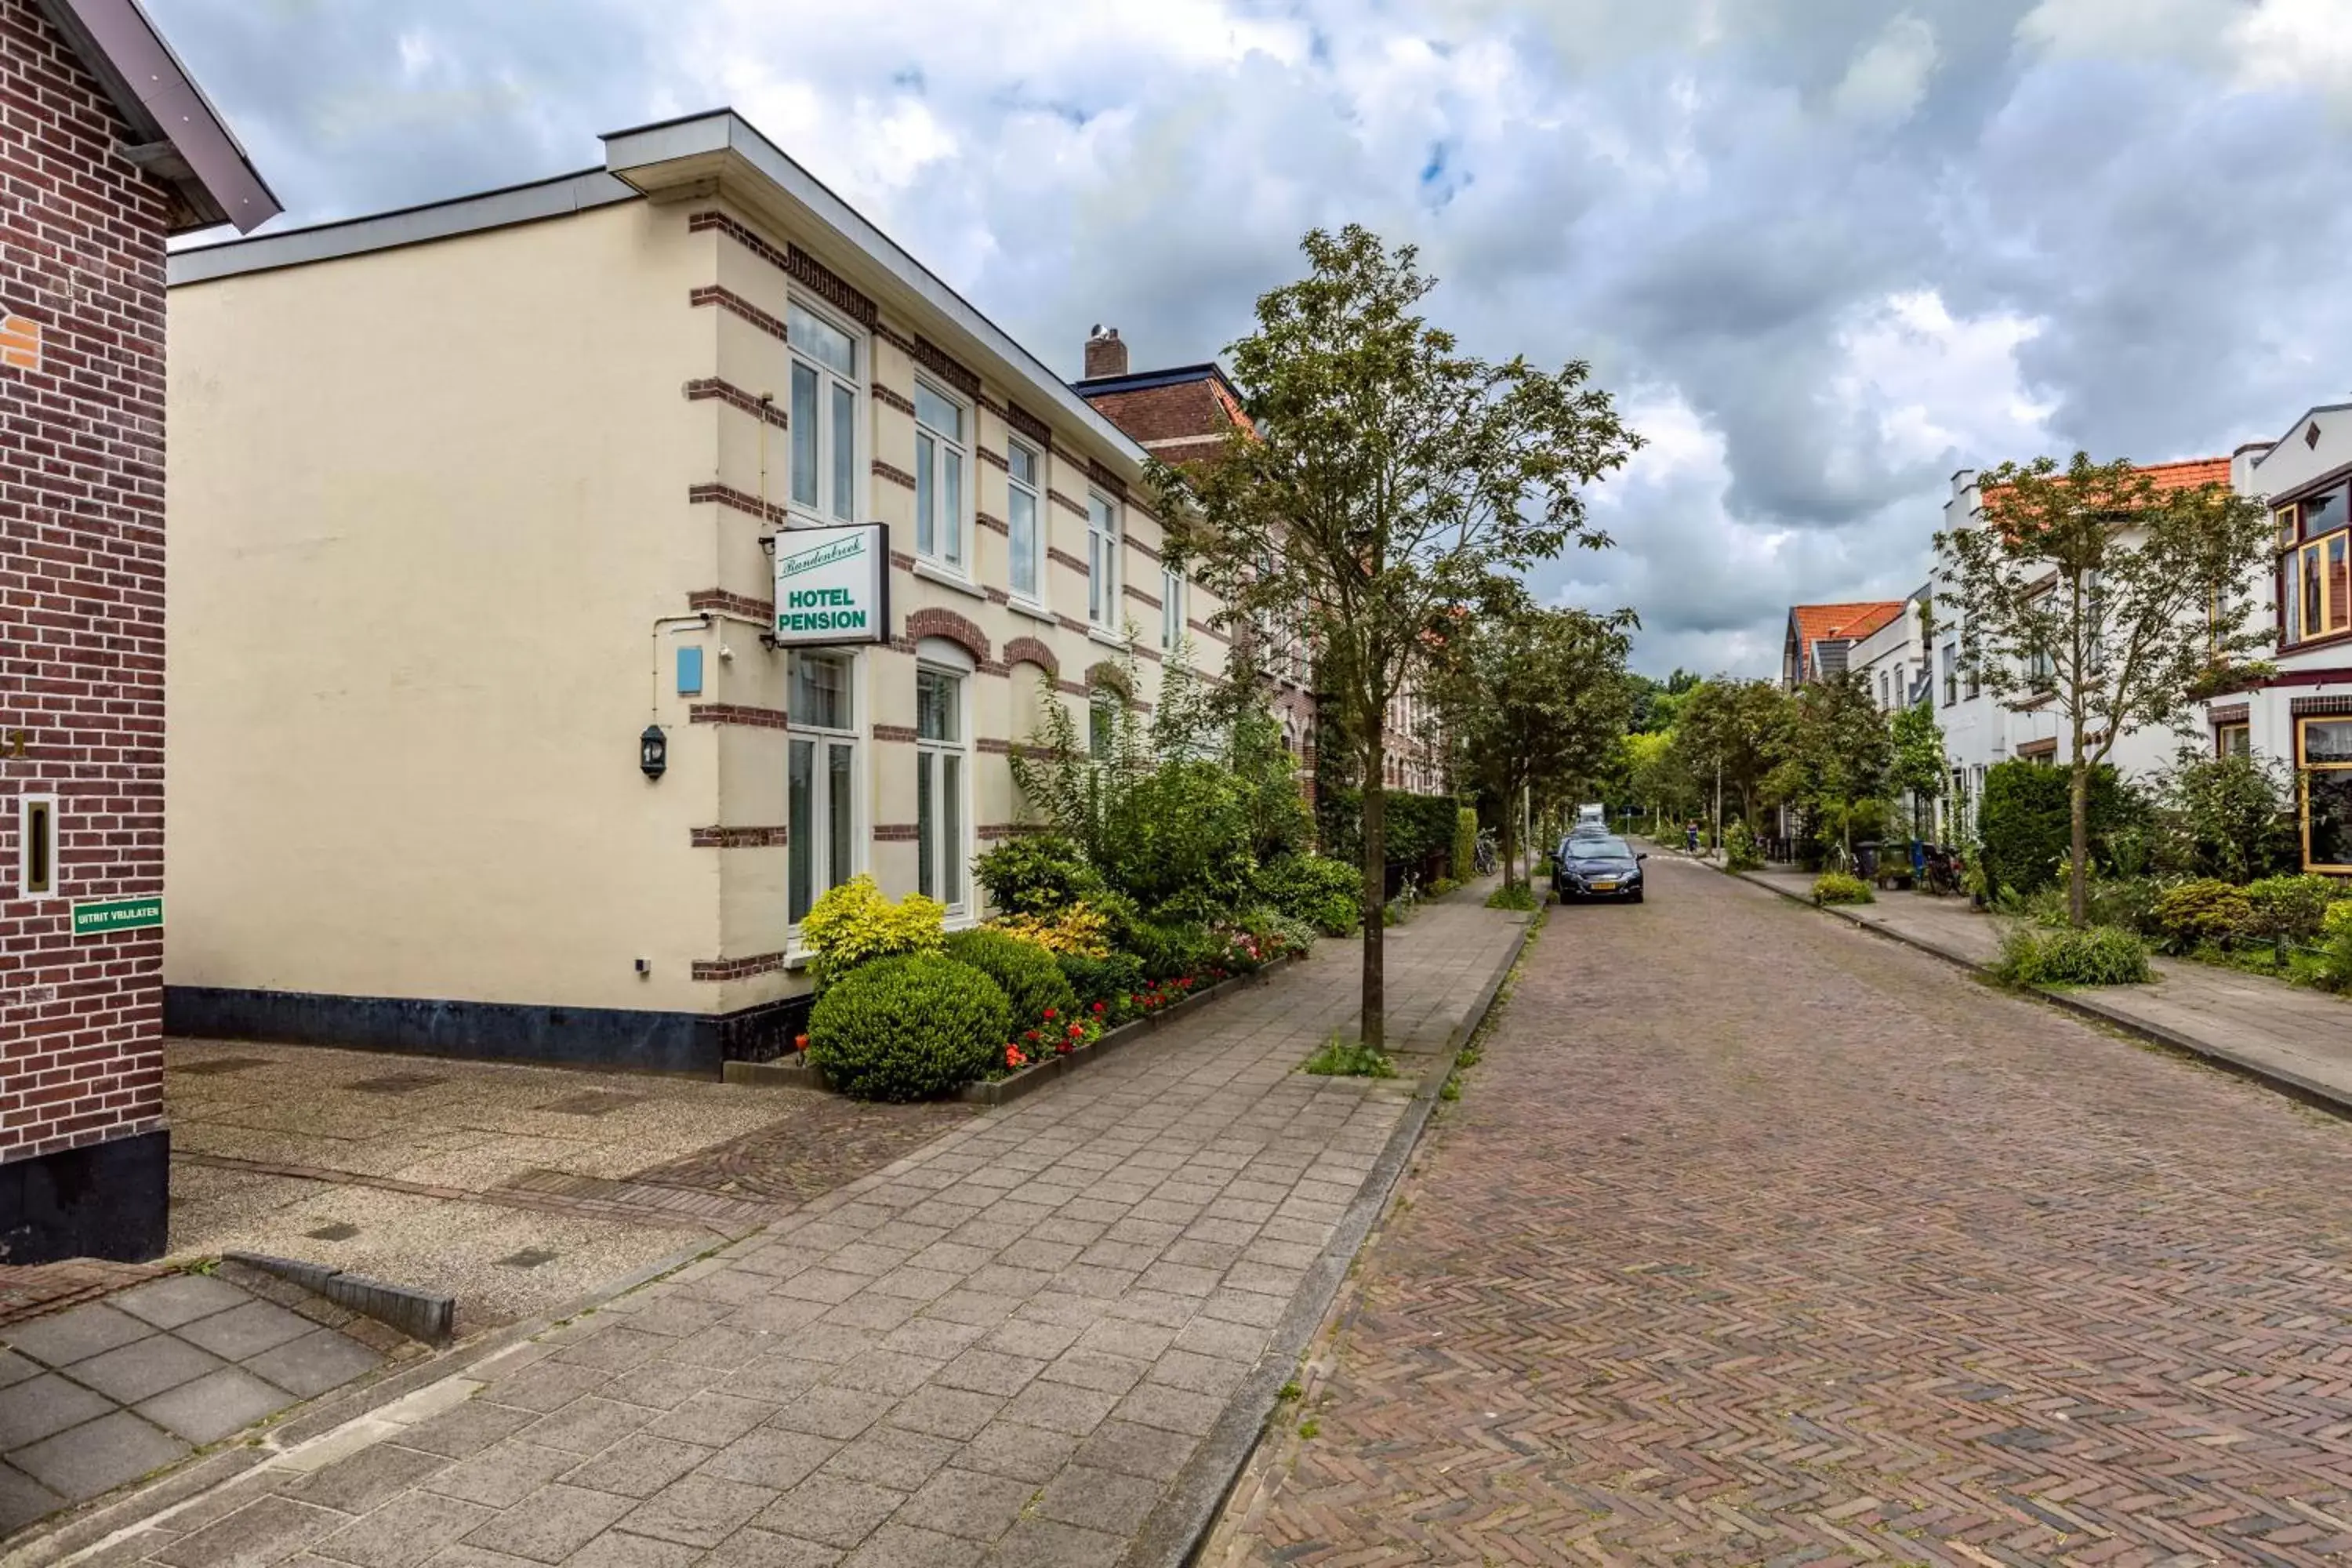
(1022, 484)
(2326, 748)
(824, 418)
(822, 784)
(2234, 739)
(1102, 727)
(938, 477)
(1951, 674)
(941, 774)
(1171, 607)
(1102, 560)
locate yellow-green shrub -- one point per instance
(1079, 929)
(1837, 887)
(855, 924)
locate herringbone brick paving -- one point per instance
(1759, 1239)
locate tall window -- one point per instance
(823, 415)
(2326, 748)
(1102, 562)
(2234, 739)
(1102, 725)
(1171, 607)
(941, 776)
(822, 772)
(1951, 673)
(1884, 701)
(1022, 486)
(938, 477)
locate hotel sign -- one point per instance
(833, 586)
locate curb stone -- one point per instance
(2331, 1097)
(1180, 1521)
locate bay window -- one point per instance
(942, 774)
(2314, 571)
(1023, 483)
(824, 418)
(1102, 562)
(2325, 747)
(939, 422)
(821, 789)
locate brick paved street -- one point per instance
(1757, 1239)
(1001, 1348)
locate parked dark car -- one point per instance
(1590, 867)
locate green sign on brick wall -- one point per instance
(111, 915)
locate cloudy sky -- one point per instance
(1824, 251)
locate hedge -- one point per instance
(2026, 822)
(1419, 827)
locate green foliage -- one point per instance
(1170, 950)
(1418, 827)
(1737, 731)
(1839, 755)
(2232, 817)
(1465, 845)
(2088, 955)
(1837, 887)
(1341, 1058)
(2336, 932)
(910, 1027)
(2292, 909)
(1740, 850)
(1110, 980)
(853, 924)
(1031, 979)
(2025, 823)
(1327, 894)
(1037, 874)
(2206, 910)
(1512, 895)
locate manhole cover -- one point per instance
(596, 1103)
(396, 1083)
(529, 1257)
(219, 1065)
(338, 1231)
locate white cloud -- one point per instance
(1887, 81)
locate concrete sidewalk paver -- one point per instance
(1000, 1349)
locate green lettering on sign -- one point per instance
(111, 915)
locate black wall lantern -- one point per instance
(653, 752)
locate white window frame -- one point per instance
(32, 812)
(949, 842)
(826, 510)
(823, 806)
(1171, 607)
(949, 549)
(1040, 511)
(1103, 573)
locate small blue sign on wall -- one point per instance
(689, 672)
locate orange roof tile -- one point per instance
(1818, 622)
(2186, 475)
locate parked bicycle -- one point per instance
(1485, 855)
(1941, 869)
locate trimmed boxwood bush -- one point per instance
(908, 1029)
(2207, 910)
(2026, 823)
(1031, 982)
(2094, 955)
(1837, 887)
(1109, 981)
(1037, 874)
(1316, 889)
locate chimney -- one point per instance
(1105, 355)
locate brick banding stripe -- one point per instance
(1207, 630)
(994, 748)
(1065, 503)
(1132, 591)
(734, 304)
(993, 458)
(743, 605)
(993, 524)
(898, 733)
(736, 714)
(899, 476)
(739, 837)
(1064, 558)
(794, 263)
(729, 496)
(736, 968)
(1110, 677)
(1106, 476)
(1028, 424)
(1142, 549)
(997, 595)
(995, 669)
(891, 397)
(2316, 707)
(1071, 689)
(705, 388)
(1071, 623)
(958, 629)
(896, 833)
(996, 830)
(902, 561)
(936, 360)
(1029, 650)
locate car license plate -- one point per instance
(1605, 885)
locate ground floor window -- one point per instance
(2325, 747)
(942, 774)
(2234, 739)
(822, 786)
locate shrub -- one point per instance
(1036, 874)
(1740, 850)
(1465, 844)
(2125, 901)
(1031, 982)
(1170, 950)
(853, 924)
(909, 1027)
(2026, 824)
(1512, 895)
(1350, 1058)
(1080, 928)
(1109, 980)
(2232, 817)
(2207, 910)
(2291, 909)
(1837, 887)
(1322, 891)
(2094, 955)
(1419, 827)
(2336, 931)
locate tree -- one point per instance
(1656, 779)
(1534, 699)
(1729, 735)
(1840, 756)
(2112, 599)
(1918, 767)
(1386, 478)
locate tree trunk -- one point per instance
(2078, 872)
(1510, 844)
(1373, 1022)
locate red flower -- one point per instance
(1098, 1007)
(1013, 1056)
(1077, 1031)
(1029, 1035)
(800, 1042)
(1050, 1015)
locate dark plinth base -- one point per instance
(102, 1200)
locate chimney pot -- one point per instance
(1105, 355)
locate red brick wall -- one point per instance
(1156, 414)
(81, 598)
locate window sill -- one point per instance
(1108, 640)
(1032, 609)
(948, 579)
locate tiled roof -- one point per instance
(1854, 622)
(2185, 474)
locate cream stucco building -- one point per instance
(467, 497)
